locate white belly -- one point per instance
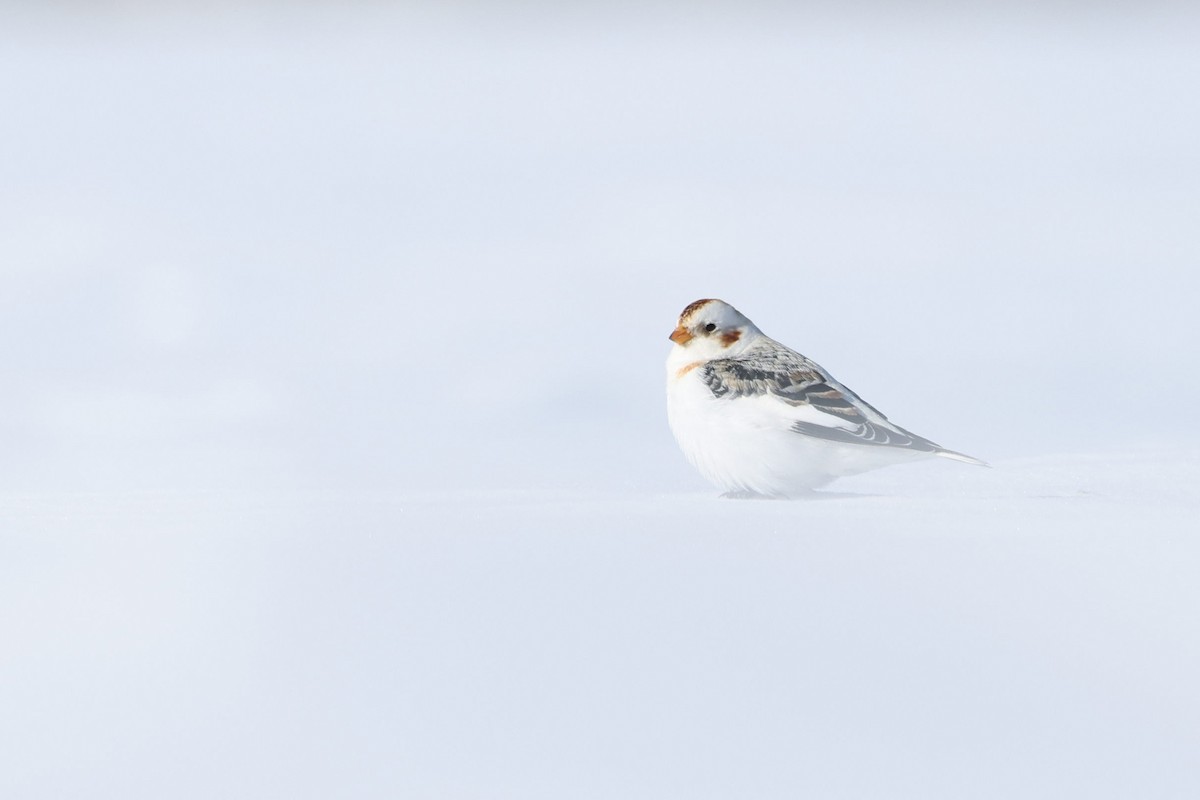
(745, 445)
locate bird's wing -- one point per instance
(813, 402)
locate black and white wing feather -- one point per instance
(776, 372)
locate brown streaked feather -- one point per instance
(692, 307)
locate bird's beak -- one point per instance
(680, 336)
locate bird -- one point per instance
(758, 419)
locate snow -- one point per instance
(335, 457)
(1024, 631)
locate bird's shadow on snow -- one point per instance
(805, 497)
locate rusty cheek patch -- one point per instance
(730, 337)
(680, 336)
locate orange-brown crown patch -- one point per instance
(693, 307)
(729, 337)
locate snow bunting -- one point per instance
(759, 419)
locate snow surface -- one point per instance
(334, 453)
(1028, 631)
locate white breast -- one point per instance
(746, 444)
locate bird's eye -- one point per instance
(709, 328)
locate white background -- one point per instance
(334, 457)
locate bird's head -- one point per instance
(713, 329)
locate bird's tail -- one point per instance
(963, 457)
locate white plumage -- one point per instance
(756, 418)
